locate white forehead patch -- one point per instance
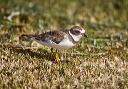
(82, 31)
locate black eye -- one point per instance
(77, 31)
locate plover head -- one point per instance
(77, 32)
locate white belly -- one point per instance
(64, 44)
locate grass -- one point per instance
(97, 62)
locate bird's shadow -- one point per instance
(39, 53)
(42, 54)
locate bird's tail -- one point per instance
(29, 36)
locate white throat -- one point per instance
(75, 37)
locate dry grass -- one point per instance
(97, 62)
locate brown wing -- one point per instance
(55, 36)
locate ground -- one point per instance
(97, 62)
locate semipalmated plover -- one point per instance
(60, 39)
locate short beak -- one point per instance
(85, 35)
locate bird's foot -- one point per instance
(57, 60)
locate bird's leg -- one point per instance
(57, 60)
(52, 50)
(56, 56)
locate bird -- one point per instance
(59, 39)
